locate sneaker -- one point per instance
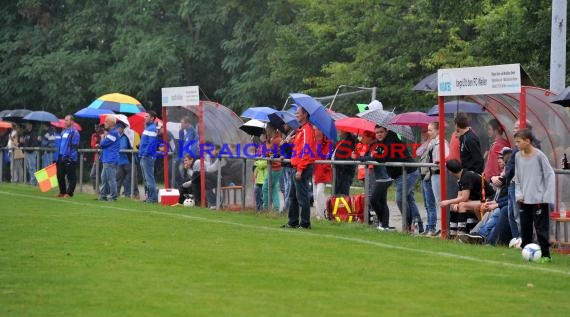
(59, 195)
(304, 227)
(544, 260)
(66, 196)
(475, 238)
(288, 226)
(102, 199)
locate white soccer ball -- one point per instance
(189, 202)
(531, 252)
(515, 243)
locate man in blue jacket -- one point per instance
(66, 157)
(147, 155)
(110, 144)
(124, 171)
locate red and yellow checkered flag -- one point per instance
(47, 178)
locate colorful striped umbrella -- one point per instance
(118, 103)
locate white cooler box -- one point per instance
(168, 196)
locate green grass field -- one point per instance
(81, 257)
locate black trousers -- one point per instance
(66, 169)
(379, 203)
(536, 214)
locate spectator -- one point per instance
(382, 181)
(29, 139)
(495, 230)
(322, 174)
(469, 145)
(16, 155)
(4, 138)
(124, 166)
(273, 144)
(67, 158)
(514, 212)
(286, 178)
(391, 143)
(466, 206)
(48, 141)
(302, 162)
(494, 131)
(344, 174)
(260, 174)
(211, 163)
(433, 157)
(424, 152)
(185, 188)
(147, 155)
(534, 190)
(110, 143)
(186, 135)
(95, 140)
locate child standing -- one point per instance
(534, 191)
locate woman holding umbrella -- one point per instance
(16, 155)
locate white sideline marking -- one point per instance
(325, 235)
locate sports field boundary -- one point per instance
(531, 267)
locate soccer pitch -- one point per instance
(81, 257)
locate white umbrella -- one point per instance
(384, 119)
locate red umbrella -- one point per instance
(137, 122)
(355, 125)
(61, 124)
(416, 119)
(5, 125)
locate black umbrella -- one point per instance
(563, 99)
(16, 115)
(4, 113)
(427, 84)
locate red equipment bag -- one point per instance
(340, 209)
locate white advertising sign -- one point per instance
(180, 96)
(486, 80)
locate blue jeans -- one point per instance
(47, 158)
(429, 202)
(514, 213)
(31, 160)
(258, 196)
(275, 175)
(147, 167)
(285, 185)
(109, 181)
(412, 211)
(299, 199)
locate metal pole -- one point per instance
(373, 93)
(133, 170)
(97, 172)
(243, 183)
(442, 171)
(269, 179)
(366, 195)
(405, 200)
(81, 172)
(1, 166)
(558, 46)
(25, 176)
(219, 184)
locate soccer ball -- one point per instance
(531, 252)
(189, 201)
(515, 243)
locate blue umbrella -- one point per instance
(259, 113)
(92, 113)
(455, 106)
(318, 114)
(280, 118)
(42, 116)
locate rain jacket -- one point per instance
(303, 143)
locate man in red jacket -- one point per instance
(302, 158)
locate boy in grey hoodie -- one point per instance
(534, 191)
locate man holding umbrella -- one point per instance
(303, 156)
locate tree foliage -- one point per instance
(59, 55)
